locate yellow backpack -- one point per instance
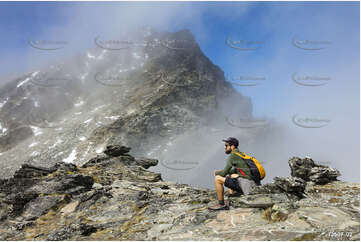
(257, 170)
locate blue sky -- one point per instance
(274, 24)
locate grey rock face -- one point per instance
(69, 184)
(128, 202)
(146, 163)
(116, 150)
(291, 184)
(308, 170)
(40, 206)
(31, 188)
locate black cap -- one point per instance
(231, 141)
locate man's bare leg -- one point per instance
(221, 205)
(218, 182)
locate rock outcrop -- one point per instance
(308, 170)
(114, 197)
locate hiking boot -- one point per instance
(219, 207)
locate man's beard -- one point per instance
(228, 152)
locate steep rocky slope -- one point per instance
(114, 197)
(157, 86)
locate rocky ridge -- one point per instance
(114, 197)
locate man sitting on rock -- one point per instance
(236, 176)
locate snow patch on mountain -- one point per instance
(58, 141)
(4, 102)
(36, 130)
(71, 157)
(90, 56)
(23, 82)
(2, 129)
(81, 102)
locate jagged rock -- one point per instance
(140, 173)
(34, 190)
(3, 208)
(259, 200)
(105, 160)
(17, 201)
(277, 213)
(63, 233)
(308, 170)
(41, 205)
(268, 188)
(91, 197)
(97, 186)
(99, 159)
(300, 167)
(67, 184)
(30, 171)
(323, 175)
(146, 163)
(129, 202)
(86, 229)
(70, 208)
(64, 167)
(293, 185)
(116, 150)
(28, 175)
(142, 195)
(253, 202)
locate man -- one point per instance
(236, 175)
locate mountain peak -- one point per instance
(139, 92)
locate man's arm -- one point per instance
(215, 171)
(226, 169)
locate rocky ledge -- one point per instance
(114, 197)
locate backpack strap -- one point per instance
(239, 154)
(239, 169)
(242, 172)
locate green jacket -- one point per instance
(234, 161)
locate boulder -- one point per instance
(66, 184)
(34, 190)
(116, 150)
(293, 185)
(146, 163)
(308, 170)
(41, 205)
